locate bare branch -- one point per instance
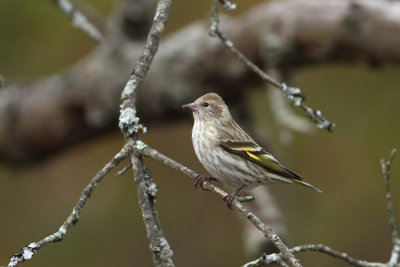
(124, 170)
(395, 235)
(277, 257)
(28, 251)
(147, 189)
(264, 228)
(394, 258)
(292, 94)
(255, 242)
(321, 36)
(79, 20)
(129, 124)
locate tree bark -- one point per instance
(46, 115)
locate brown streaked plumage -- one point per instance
(228, 153)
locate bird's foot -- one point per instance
(230, 197)
(200, 179)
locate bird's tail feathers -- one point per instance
(307, 184)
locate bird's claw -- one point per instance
(200, 179)
(229, 199)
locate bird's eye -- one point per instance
(205, 104)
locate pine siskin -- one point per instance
(229, 154)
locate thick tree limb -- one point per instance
(41, 117)
(129, 123)
(28, 251)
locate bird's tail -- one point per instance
(307, 184)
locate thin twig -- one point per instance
(394, 258)
(287, 120)
(28, 251)
(276, 257)
(150, 48)
(228, 5)
(395, 235)
(264, 228)
(79, 20)
(246, 198)
(386, 175)
(292, 94)
(124, 170)
(129, 124)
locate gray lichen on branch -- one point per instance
(129, 125)
(129, 122)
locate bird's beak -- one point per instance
(192, 106)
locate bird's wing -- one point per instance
(253, 152)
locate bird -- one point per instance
(229, 154)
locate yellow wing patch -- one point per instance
(266, 160)
(251, 155)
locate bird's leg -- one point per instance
(230, 197)
(200, 179)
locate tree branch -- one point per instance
(277, 257)
(79, 20)
(394, 258)
(84, 100)
(129, 125)
(292, 94)
(28, 251)
(147, 189)
(264, 228)
(395, 234)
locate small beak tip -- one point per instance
(191, 106)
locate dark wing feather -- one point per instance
(254, 153)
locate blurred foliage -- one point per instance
(36, 39)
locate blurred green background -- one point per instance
(350, 216)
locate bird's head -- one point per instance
(209, 107)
